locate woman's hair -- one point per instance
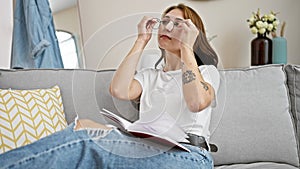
(204, 53)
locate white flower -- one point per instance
(276, 23)
(262, 30)
(259, 24)
(251, 20)
(266, 24)
(271, 17)
(263, 24)
(264, 18)
(254, 30)
(270, 27)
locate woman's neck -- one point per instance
(173, 62)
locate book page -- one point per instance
(164, 126)
(158, 130)
(121, 121)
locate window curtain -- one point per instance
(34, 44)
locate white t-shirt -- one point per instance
(162, 94)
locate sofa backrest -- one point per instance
(252, 121)
(84, 92)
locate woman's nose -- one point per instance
(170, 26)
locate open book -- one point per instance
(153, 133)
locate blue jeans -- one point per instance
(91, 148)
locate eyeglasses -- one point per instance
(167, 22)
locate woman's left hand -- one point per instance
(189, 33)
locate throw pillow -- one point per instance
(29, 115)
(252, 121)
(293, 81)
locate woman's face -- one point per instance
(169, 31)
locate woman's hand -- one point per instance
(145, 28)
(188, 34)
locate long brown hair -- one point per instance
(204, 53)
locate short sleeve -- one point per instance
(140, 77)
(211, 75)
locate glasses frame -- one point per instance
(175, 24)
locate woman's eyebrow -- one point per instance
(177, 19)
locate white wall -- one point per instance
(6, 25)
(109, 27)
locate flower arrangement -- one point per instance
(263, 24)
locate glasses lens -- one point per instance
(155, 23)
(165, 21)
(172, 24)
(177, 23)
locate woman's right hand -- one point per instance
(123, 84)
(145, 28)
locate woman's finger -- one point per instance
(189, 23)
(151, 22)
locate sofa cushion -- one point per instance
(29, 115)
(293, 81)
(252, 121)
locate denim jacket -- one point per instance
(34, 40)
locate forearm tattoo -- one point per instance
(205, 86)
(188, 76)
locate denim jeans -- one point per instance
(91, 148)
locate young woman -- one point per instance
(182, 91)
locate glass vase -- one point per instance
(279, 50)
(261, 50)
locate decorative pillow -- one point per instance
(252, 121)
(293, 81)
(29, 115)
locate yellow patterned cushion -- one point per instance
(28, 115)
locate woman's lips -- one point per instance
(165, 36)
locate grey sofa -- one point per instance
(256, 123)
